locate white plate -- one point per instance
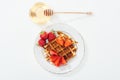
(72, 63)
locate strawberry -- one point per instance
(60, 41)
(53, 58)
(63, 61)
(44, 35)
(68, 42)
(53, 52)
(57, 62)
(41, 42)
(51, 36)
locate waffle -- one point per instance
(66, 52)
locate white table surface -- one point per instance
(101, 33)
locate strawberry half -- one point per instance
(53, 52)
(63, 61)
(41, 42)
(60, 41)
(57, 62)
(51, 36)
(68, 42)
(43, 35)
(53, 58)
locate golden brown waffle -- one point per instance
(66, 52)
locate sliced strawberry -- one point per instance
(68, 42)
(41, 42)
(57, 62)
(63, 61)
(60, 41)
(51, 36)
(53, 58)
(44, 35)
(53, 52)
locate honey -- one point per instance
(37, 13)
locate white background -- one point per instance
(101, 33)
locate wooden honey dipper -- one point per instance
(49, 12)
